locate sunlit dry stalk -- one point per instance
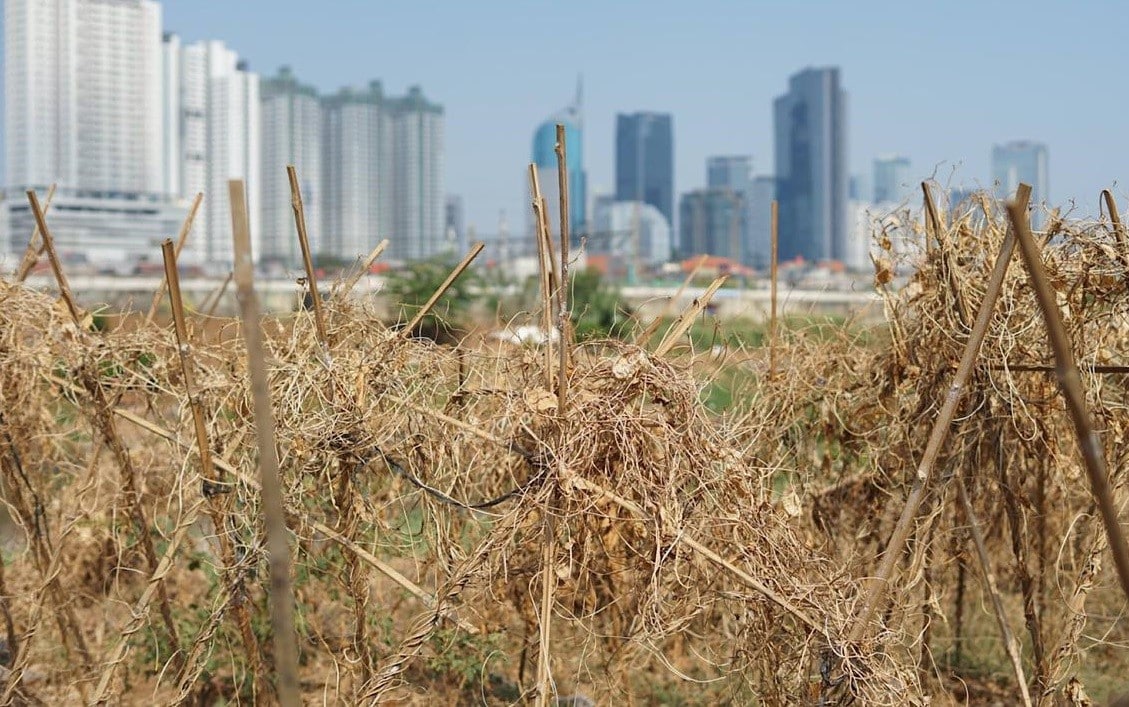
(285, 638)
(307, 257)
(875, 589)
(438, 294)
(215, 487)
(35, 244)
(365, 268)
(1070, 381)
(644, 337)
(181, 239)
(104, 422)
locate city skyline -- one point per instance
(895, 107)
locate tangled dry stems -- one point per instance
(725, 550)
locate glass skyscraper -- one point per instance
(811, 166)
(545, 157)
(644, 160)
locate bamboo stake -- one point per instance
(935, 224)
(285, 638)
(1010, 644)
(1070, 381)
(564, 314)
(181, 239)
(35, 244)
(104, 421)
(775, 231)
(219, 294)
(686, 319)
(544, 271)
(463, 265)
(307, 258)
(1118, 228)
(53, 257)
(214, 485)
(876, 587)
(647, 333)
(366, 266)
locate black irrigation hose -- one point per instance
(444, 498)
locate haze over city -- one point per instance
(940, 84)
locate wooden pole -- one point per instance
(545, 269)
(53, 257)
(564, 314)
(366, 266)
(875, 589)
(773, 266)
(35, 244)
(181, 239)
(463, 265)
(1070, 382)
(285, 638)
(307, 257)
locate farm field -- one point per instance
(813, 511)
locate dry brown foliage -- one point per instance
(724, 552)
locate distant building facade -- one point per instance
(735, 173)
(758, 250)
(383, 174)
(291, 135)
(544, 156)
(811, 165)
(1022, 161)
(455, 223)
(217, 127)
(635, 232)
(711, 221)
(83, 109)
(644, 160)
(891, 179)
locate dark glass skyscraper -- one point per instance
(811, 166)
(644, 160)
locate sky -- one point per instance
(939, 82)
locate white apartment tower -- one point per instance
(83, 108)
(217, 138)
(291, 135)
(358, 172)
(82, 93)
(419, 216)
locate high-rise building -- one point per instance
(383, 167)
(357, 164)
(735, 172)
(891, 179)
(758, 249)
(291, 135)
(544, 156)
(631, 231)
(730, 172)
(455, 223)
(82, 106)
(811, 165)
(219, 132)
(712, 221)
(1022, 161)
(644, 160)
(418, 192)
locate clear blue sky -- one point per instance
(940, 82)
